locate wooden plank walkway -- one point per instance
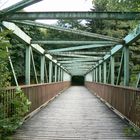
(74, 115)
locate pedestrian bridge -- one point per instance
(81, 92)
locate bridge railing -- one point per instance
(123, 99)
(38, 94)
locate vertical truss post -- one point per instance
(108, 74)
(138, 81)
(100, 73)
(59, 73)
(104, 67)
(55, 73)
(42, 68)
(46, 72)
(112, 62)
(97, 74)
(50, 71)
(33, 62)
(126, 65)
(120, 69)
(94, 73)
(62, 75)
(27, 65)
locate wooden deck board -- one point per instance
(74, 115)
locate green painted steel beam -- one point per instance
(129, 39)
(50, 71)
(27, 65)
(23, 37)
(112, 76)
(120, 69)
(138, 81)
(126, 66)
(73, 31)
(74, 15)
(81, 53)
(55, 73)
(42, 69)
(100, 73)
(74, 55)
(72, 42)
(18, 6)
(105, 70)
(66, 62)
(79, 64)
(80, 48)
(74, 59)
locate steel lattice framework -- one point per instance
(83, 57)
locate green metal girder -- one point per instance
(74, 59)
(42, 69)
(78, 32)
(72, 42)
(100, 73)
(112, 76)
(84, 60)
(79, 64)
(80, 52)
(27, 65)
(18, 6)
(80, 48)
(50, 71)
(74, 55)
(105, 70)
(74, 15)
(138, 81)
(126, 66)
(55, 73)
(33, 62)
(120, 69)
(22, 36)
(129, 39)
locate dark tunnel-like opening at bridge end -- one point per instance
(77, 80)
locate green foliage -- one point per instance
(12, 107)
(4, 73)
(132, 131)
(12, 112)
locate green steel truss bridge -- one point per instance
(82, 58)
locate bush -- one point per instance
(13, 112)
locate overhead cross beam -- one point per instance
(27, 39)
(74, 55)
(74, 15)
(129, 39)
(80, 53)
(18, 6)
(80, 48)
(73, 31)
(72, 42)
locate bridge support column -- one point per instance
(126, 65)
(42, 69)
(56, 76)
(59, 74)
(112, 63)
(104, 67)
(96, 73)
(27, 65)
(50, 71)
(100, 73)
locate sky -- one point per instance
(53, 5)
